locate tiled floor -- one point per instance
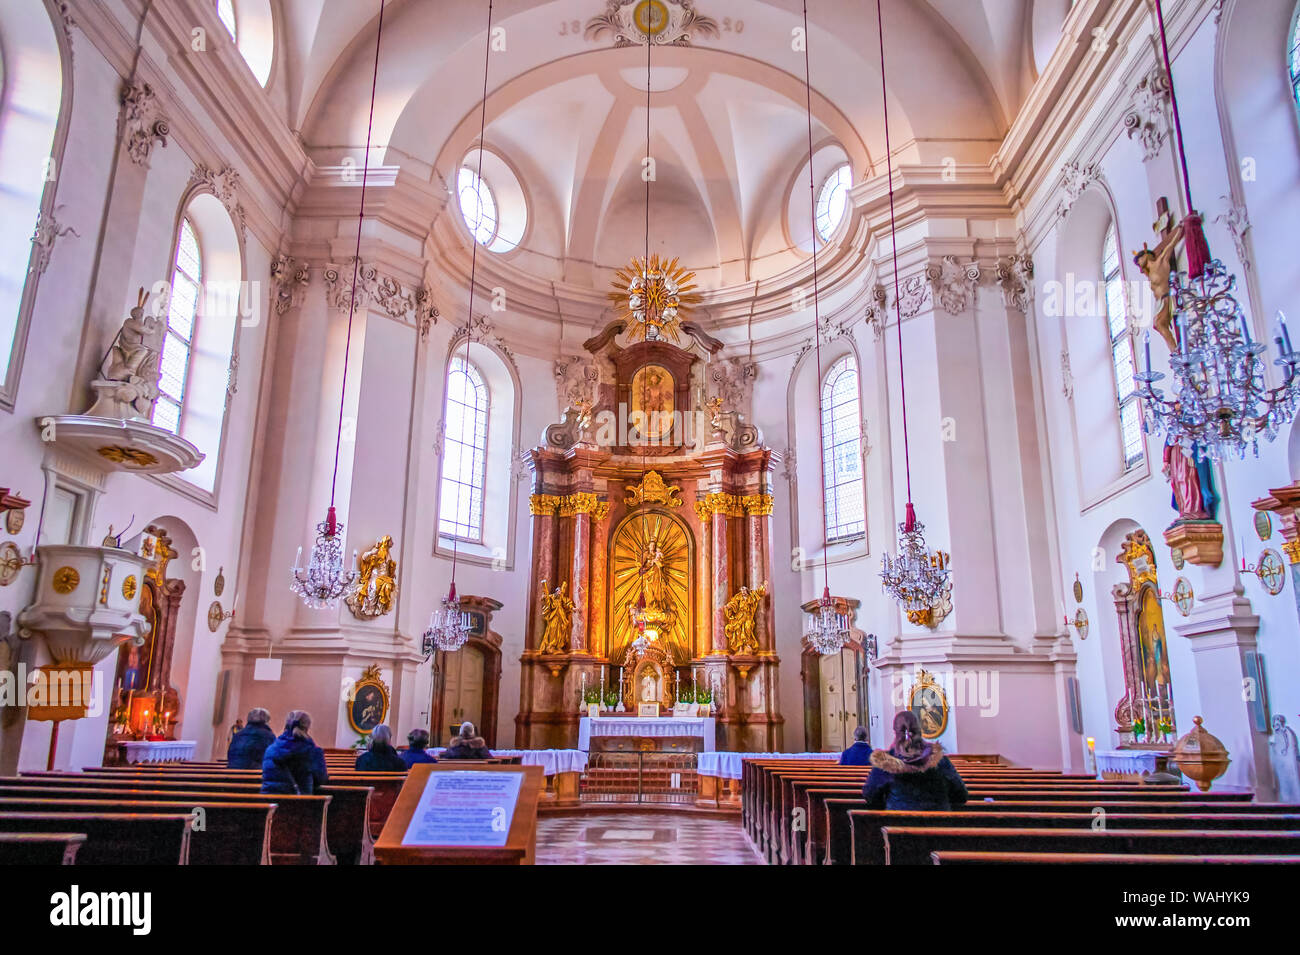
(642, 838)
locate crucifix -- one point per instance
(1157, 265)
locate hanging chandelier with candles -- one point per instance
(449, 626)
(918, 578)
(829, 631)
(1221, 403)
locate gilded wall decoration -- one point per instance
(557, 618)
(650, 566)
(929, 702)
(368, 700)
(660, 22)
(376, 586)
(653, 490)
(739, 615)
(65, 580)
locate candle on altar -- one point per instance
(1092, 754)
(677, 683)
(602, 679)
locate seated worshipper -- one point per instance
(912, 774)
(467, 745)
(294, 763)
(859, 754)
(248, 745)
(417, 742)
(381, 757)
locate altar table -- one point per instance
(552, 761)
(1127, 763)
(660, 726)
(728, 765)
(158, 751)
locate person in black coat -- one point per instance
(418, 743)
(467, 745)
(248, 746)
(912, 774)
(381, 757)
(294, 763)
(859, 754)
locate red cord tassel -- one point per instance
(909, 519)
(1198, 250)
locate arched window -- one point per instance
(1121, 351)
(1293, 57)
(178, 344)
(478, 206)
(464, 465)
(842, 451)
(832, 199)
(226, 13)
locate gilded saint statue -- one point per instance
(739, 615)
(557, 619)
(376, 581)
(650, 575)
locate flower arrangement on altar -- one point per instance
(686, 695)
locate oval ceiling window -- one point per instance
(832, 199)
(492, 204)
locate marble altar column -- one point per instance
(758, 572)
(543, 507)
(580, 588)
(703, 582)
(597, 637)
(721, 578)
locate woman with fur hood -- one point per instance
(294, 763)
(912, 774)
(466, 745)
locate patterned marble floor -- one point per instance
(642, 838)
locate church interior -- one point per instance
(527, 391)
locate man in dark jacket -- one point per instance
(466, 745)
(294, 763)
(418, 743)
(859, 754)
(248, 746)
(912, 774)
(381, 757)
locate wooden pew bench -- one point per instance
(40, 848)
(121, 838)
(912, 845)
(1080, 858)
(232, 833)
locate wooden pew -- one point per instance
(121, 838)
(912, 845)
(234, 833)
(298, 827)
(838, 847)
(1100, 858)
(40, 848)
(868, 825)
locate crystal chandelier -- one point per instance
(829, 630)
(448, 626)
(918, 577)
(324, 580)
(1220, 404)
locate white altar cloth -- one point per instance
(159, 751)
(728, 765)
(1135, 762)
(552, 761)
(702, 727)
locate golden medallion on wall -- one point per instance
(65, 580)
(129, 587)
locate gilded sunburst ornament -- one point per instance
(654, 297)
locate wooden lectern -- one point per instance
(521, 838)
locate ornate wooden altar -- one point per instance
(650, 513)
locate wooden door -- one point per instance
(839, 697)
(462, 697)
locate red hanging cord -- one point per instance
(910, 514)
(331, 522)
(817, 322)
(1198, 249)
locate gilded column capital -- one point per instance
(760, 504)
(600, 511)
(583, 502)
(704, 510)
(543, 504)
(1292, 551)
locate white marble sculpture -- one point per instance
(127, 385)
(1282, 753)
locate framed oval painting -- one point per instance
(368, 701)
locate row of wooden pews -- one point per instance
(198, 813)
(801, 812)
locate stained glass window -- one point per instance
(842, 452)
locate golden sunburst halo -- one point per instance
(654, 296)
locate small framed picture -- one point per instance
(647, 709)
(593, 710)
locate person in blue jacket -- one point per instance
(248, 746)
(294, 763)
(417, 745)
(859, 754)
(381, 756)
(913, 773)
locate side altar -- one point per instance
(651, 544)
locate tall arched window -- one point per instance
(464, 466)
(1121, 351)
(1293, 56)
(842, 451)
(182, 314)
